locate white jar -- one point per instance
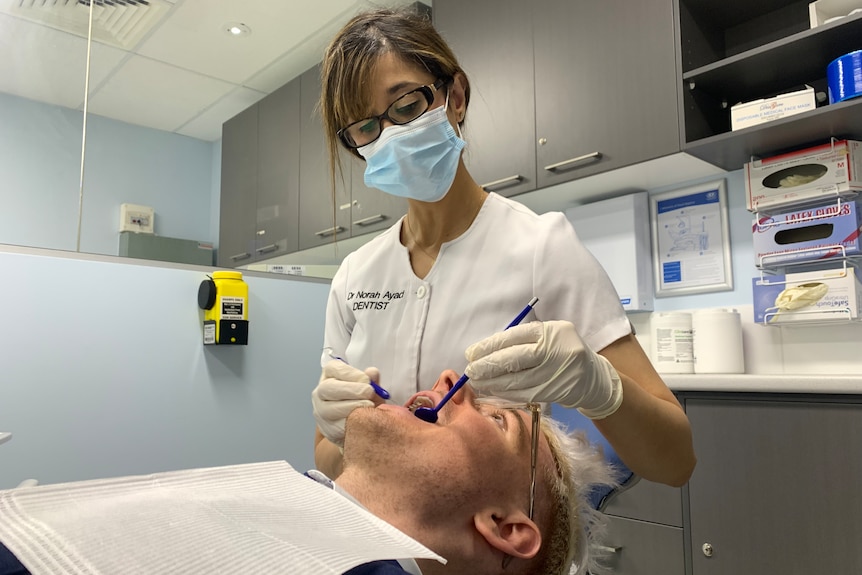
(671, 342)
(717, 335)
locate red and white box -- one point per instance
(813, 174)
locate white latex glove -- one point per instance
(341, 389)
(545, 362)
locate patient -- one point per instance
(461, 487)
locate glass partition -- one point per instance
(164, 75)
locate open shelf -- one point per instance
(782, 64)
(730, 150)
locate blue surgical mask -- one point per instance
(417, 160)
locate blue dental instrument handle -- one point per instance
(429, 414)
(377, 389)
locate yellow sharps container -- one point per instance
(224, 299)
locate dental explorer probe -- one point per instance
(429, 414)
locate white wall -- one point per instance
(104, 372)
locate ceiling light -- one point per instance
(237, 29)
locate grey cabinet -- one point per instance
(352, 208)
(645, 532)
(564, 89)
(641, 548)
(778, 485)
(497, 55)
(276, 232)
(739, 51)
(324, 212)
(606, 89)
(238, 205)
(260, 180)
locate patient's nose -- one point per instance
(446, 381)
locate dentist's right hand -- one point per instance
(341, 389)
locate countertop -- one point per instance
(841, 384)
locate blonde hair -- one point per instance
(575, 525)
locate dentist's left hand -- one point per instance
(341, 389)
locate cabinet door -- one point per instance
(606, 85)
(641, 548)
(320, 219)
(371, 209)
(278, 173)
(776, 488)
(238, 189)
(493, 43)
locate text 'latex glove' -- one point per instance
(545, 362)
(341, 389)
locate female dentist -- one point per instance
(449, 275)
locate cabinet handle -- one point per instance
(505, 182)
(558, 165)
(329, 231)
(370, 220)
(267, 249)
(607, 549)
(241, 256)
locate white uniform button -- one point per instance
(420, 293)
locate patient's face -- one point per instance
(478, 450)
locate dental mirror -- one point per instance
(429, 414)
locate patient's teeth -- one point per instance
(421, 401)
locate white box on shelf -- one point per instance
(824, 11)
(817, 296)
(765, 110)
(818, 173)
(617, 233)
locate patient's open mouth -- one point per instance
(420, 401)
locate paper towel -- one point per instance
(717, 341)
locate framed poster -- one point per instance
(691, 240)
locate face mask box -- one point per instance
(815, 233)
(830, 170)
(768, 109)
(817, 296)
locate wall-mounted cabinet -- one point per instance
(563, 90)
(276, 193)
(357, 209)
(260, 180)
(740, 51)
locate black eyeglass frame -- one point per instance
(428, 91)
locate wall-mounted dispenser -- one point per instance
(224, 299)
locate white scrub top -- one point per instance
(380, 314)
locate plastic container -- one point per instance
(671, 342)
(717, 341)
(844, 77)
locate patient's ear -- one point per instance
(513, 532)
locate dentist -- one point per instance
(454, 270)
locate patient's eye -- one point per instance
(495, 414)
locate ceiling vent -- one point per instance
(120, 23)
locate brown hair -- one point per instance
(351, 57)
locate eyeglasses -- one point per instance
(535, 410)
(402, 111)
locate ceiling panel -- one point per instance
(150, 93)
(207, 126)
(194, 37)
(47, 65)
